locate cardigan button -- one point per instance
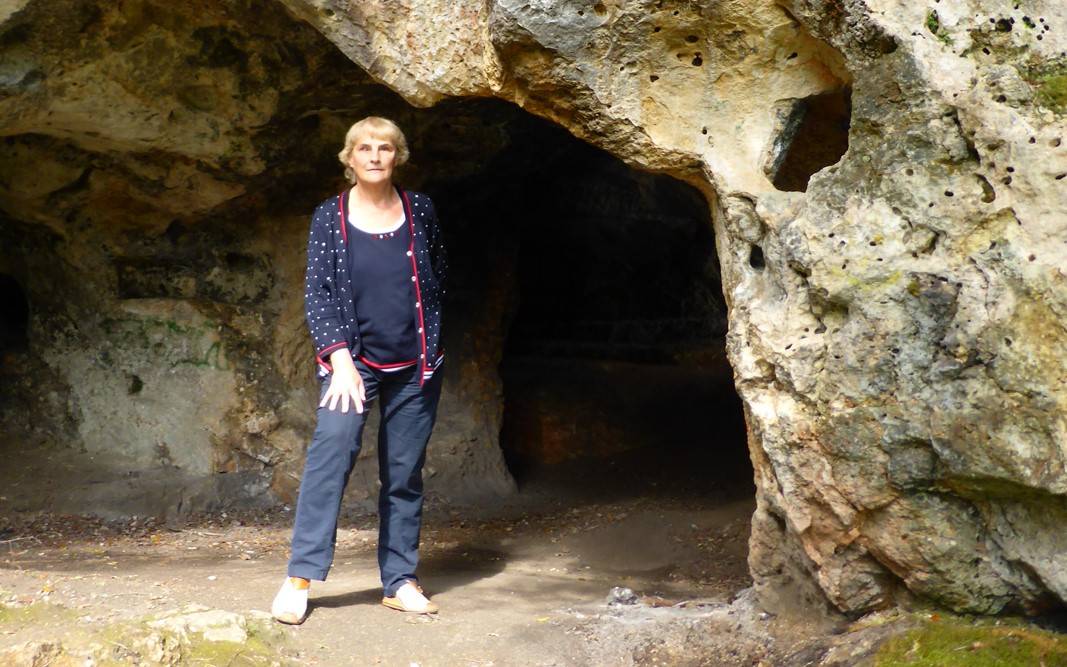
(409, 253)
(413, 278)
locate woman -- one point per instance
(373, 289)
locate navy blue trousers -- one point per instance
(407, 413)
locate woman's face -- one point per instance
(373, 159)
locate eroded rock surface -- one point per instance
(896, 320)
(897, 331)
(158, 171)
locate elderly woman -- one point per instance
(373, 288)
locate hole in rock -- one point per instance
(813, 134)
(755, 257)
(14, 315)
(615, 378)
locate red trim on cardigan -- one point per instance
(374, 364)
(342, 204)
(327, 350)
(418, 292)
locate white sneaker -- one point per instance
(290, 604)
(409, 597)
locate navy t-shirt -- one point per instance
(384, 295)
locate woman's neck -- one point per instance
(377, 195)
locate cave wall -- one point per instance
(896, 327)
(159, 239)
(896, 319)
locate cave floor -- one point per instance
(524, 582)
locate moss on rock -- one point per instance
(946, 641)
(1049, 80)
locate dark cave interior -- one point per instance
(614, 356)
(14, 315)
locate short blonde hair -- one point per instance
(378, 128)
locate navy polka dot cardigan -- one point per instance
(328, 301)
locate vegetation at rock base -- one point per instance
(255, 651)
(18, 615)
(951, 641)
(130, 641)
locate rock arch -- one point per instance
(896, 330)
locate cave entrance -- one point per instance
(614, 374)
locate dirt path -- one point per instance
(524, 582)
(510, 591)
(518, 589)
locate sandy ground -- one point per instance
(523, 583)
(511, 591)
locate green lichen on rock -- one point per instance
(933, 24)
(180, 344)
(994, 44)
(1052, 92)
(1049, 80)
(141, 641)
(914, 288)
(255, 651)
(17, 615)
(948, 641)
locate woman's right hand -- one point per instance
(345, 384)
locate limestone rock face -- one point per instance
(896, 330)
(159, 240)
(925, 419)
(896, 310)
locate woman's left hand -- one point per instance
(346, 383)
